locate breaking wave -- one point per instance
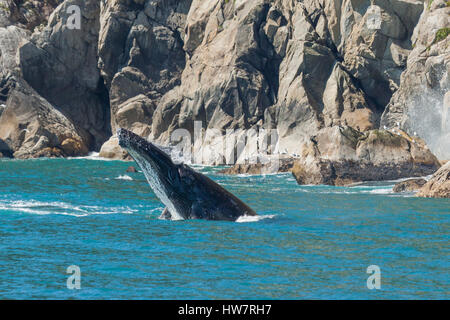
(61, 208)
(124, 177)
(243, 219)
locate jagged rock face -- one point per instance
(344, 60)
(374, 41)
(301, 67)
(439, 184)
(341, 156)
(141, 55)
(296, 66)
(61, 65)
(26, 14)
(422, 103)
(10, 39)
(31, 127)
(223, 84)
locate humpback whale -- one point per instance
(186, 193)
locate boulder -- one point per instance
(439, 184)
(72, 147)
(31, 127)
(341, 156)
(410, 185)
(135, 114)
(282, 165)
(5, 151)
(132, 169)
(112, 150)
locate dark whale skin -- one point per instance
(186, 193)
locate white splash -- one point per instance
(381, 191)
(124, 177)
(91, 156)
(59, 208)
(243, 219)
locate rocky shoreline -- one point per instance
(356, 90)
(439, 184)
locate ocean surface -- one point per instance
(309, 242)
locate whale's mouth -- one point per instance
(131, 141)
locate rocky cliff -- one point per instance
(303, 68)
(439, 184)
(421, 105)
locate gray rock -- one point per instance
(223, 84)
(439, 184)
(28, 14)
(295, 66)
(341, 156)
(112, 150)
(284, 165)
(305, 68)
(149, 39)
(131, 169)
(410, 185)
(31, 127)
(419, 106)
(61, 65)
(10, 39)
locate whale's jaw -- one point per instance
(186, 193)
(156, 166)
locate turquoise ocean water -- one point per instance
(312, 242)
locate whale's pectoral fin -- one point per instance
(166, 215)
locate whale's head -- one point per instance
(138, 147)
(186, 193)
(170, 182)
